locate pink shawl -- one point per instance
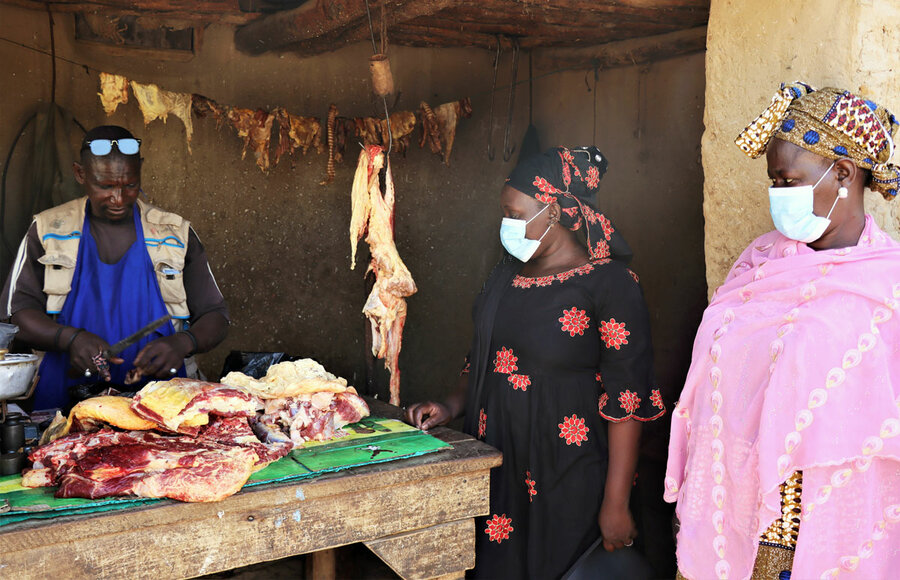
(796, 366)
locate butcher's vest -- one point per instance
(165, 236)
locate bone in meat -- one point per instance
(329, 128)
(113, 91)
(255, 127)
(431, 133)
(157, 103)
(447, 115)
(385, 307)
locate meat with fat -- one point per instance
(113, 91)
(447, 116)
(373, 216)
(156, 103)
(255, 128)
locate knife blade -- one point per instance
(129, 340)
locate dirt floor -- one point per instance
(354, 562)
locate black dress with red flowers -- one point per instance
(569, 353)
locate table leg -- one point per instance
(443, 551)
(321, 565)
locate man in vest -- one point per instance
(97, 269)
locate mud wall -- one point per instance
(751, 48)
(278, 242)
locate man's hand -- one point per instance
(616, 525)
(83, 348)
(428, 414)
(163, 354)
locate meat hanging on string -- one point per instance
(255, 127)
(373, 216)
(296, 133)
(203, 106)
(156, 103)
(113, 91)
(431, 133)
(329, 135)
(447, 115)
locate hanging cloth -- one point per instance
(110, 300)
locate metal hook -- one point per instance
(490, 147)
(507, 149)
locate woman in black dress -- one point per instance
(559, 376)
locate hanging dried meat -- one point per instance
(156, 103)
(329, 136)
(447, 115)
(373, 216)
(431, 132)
(255, 128)
(202, 106)
(296, 133)
(113, 91)
(374, 131)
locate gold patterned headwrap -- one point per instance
(833, 123)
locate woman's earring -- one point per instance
(842, 192)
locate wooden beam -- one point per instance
(624, 53)
(219, 11)
(325, 25)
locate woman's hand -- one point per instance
(159, 357)
(85, 346)
(616, 525)
(428, 414)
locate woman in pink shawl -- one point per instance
(785, 449)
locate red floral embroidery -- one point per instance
(523, 282)
(601, 249)
(573, 430)
(567, 175)
(656, 399)
(466, 369)
(629, 401)
(607, 226)
(593, 177)
(566, 156)
(544, 197)
(599, 377)
(613, 333)
(563, 276)
(506, 361)
(544, 186)
(586, 269)
(544, 281)
(576, 225)
(604, 399)
(499, 528)
(530, 483)
(574, 321)
(519, 381)
(633, 275)
(482, 423)
(592, 216)
(571, 211)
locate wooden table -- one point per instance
(415, 514)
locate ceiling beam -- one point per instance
(630, 52)
(325, 25)
(206, 11)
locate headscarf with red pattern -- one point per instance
(571, 178)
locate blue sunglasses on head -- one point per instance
(128, 146)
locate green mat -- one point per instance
(372, 440)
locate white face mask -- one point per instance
(512, 236)
(792, 211)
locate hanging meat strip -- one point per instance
(431, 133)
(255, 127)
(157, 103)
(113, 91)
(296, 133)
(373, 216)
(202, 106)
(329, 128)
(447, 116)
(402, 125)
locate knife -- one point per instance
(129, 340)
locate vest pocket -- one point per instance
(171, 283)
(59, 269)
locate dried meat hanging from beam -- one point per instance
(373, 217)
(156, 103)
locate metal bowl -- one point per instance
(16, 373)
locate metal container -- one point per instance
(16, 373)
(12, 434)
(12, 463)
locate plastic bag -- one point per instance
(254, 364)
